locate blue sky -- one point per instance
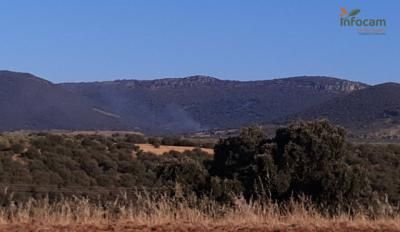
(86, 40)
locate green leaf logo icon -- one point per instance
(354, 12)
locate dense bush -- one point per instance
(303, 159)
(86, 162)
(154, 141)
(176, 141)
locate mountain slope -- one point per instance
(373, 107)
(201, 102)
(31, 103)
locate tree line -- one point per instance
(305, 159)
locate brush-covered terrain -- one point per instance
(376, 109)
(305, 177)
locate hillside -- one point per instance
(31, 103)
(172, 105)
(202, 102)
(375, 107)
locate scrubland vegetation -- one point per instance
(306, 176)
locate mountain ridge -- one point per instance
(203, 102)
(209, 79)
(180, 105)
(375, 107)
(29, 102)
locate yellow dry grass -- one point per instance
(170, 214)
(163, 149)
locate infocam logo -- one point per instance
(363, 25)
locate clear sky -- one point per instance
(86, 40)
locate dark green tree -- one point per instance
(234, 157)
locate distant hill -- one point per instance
(375, 107)
(31, 103)
(202, 102)
(172, 105)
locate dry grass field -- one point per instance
(192, 227)
(162, 149)
(168, 214)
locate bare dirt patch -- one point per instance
(163, 149)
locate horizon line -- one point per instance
(192, 76)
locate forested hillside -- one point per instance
(201, 102)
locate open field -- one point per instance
(163, 148)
